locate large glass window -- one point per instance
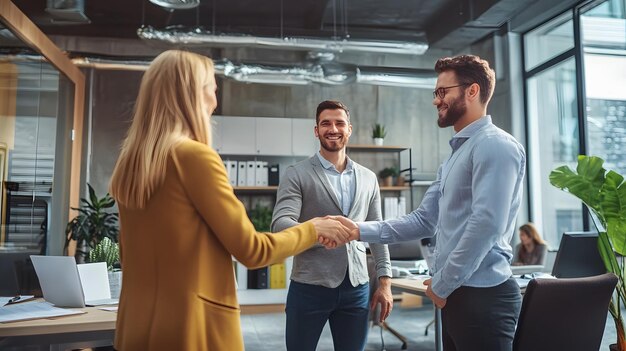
(553, 141)
(553, 102)
(548, 41)
(604, 41)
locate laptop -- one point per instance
(66, 284)
(526, 269)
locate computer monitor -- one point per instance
(578, 256)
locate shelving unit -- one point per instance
(255, 189)
(363, 148)
(257, 300)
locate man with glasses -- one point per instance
(471, 208)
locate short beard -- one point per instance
(329, 148)
(456, 109)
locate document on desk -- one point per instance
(33, 310)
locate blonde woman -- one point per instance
(181, 222)
(532, 249)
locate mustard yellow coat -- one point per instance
(178, 289)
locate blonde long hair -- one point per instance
(169, 109)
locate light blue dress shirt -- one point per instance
(471, 208)
(343, 183)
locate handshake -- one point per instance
(333, 231)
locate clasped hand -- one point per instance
(333, 231)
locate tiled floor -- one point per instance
(266, 332)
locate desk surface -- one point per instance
(93, 320)
(415, 286)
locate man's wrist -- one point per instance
(384, 281)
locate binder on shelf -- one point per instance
(390, 207)
(251, 173)
(401, 206)
(277, 276)
(258, 278)
(231, 170)
(272, 177)
(261, 173)
(241, 173)
(288, 269)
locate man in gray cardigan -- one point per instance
(332, 284)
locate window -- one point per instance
(554, 104)
(553, 141)
(604, 40)
(548, 41)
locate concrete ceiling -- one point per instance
(446, 24)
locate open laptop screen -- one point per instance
(578, 256)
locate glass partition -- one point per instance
(30, 90)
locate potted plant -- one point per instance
(261, 218)
(94, 222)
(604, 194)
(386, 175)
(109, 252)
(378, 134)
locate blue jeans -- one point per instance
(310, 306)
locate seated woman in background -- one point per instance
(532, 249)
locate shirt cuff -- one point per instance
(383, 272)
(439, 287)
(370, 231)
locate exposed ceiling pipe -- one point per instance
(326, 73)
(201, 37)
(177, 4)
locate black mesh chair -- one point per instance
(564, 314)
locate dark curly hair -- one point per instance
(470, 69)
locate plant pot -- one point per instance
(400, 180)
(378, 141)
(387, 181)
(115, 283)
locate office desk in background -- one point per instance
(417, 287)
(97, 327)
(94, 328)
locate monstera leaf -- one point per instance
(585, 183)
(604, 193)
(613, 202)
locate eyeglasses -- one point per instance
(441, 91)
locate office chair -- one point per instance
(550, 306)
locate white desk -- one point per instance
(417, 287)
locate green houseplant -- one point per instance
(604, 194)
(106, 251)
(261, 217)
(94, 222)
(109, 252)
(378, 133)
